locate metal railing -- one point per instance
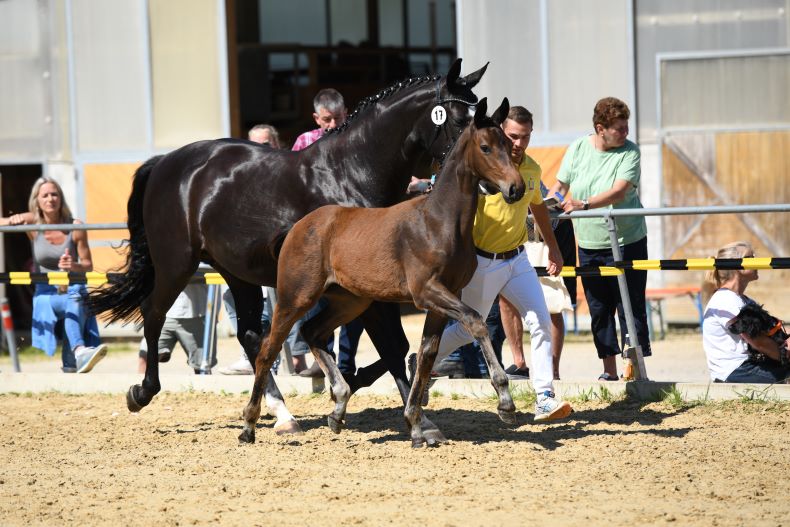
(608, 214)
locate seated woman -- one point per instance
(727, 352)
(60, 251)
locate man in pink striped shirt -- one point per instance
(330, 112)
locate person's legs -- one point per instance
(759, 373)
(524, 292)
(72, 313)
(602, 294)
(496, 332)
(349, 341)
(557, 341)
(190, 333)
(514, 332)
(168, 337)
(637, 283)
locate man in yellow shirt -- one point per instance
(503, 268)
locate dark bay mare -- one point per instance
(230, 203)
(419, 251)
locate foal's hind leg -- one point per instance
(435, 297)
(343, 307)
(270, 347)
(249, 306)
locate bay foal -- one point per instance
(418, 251)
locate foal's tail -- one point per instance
(122, 298)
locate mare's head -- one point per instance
(454, 95)
(419, 117)
(487, 152)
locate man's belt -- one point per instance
(507, 255)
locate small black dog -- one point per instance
(753, 320)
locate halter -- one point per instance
(438, 127)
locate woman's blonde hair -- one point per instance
(732, 250)
(65, 211)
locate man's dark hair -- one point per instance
(520, 114)
(330, 99)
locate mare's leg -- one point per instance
(167, 285)
(435, 297)
(432, 332)
(342, 307)
(249, 307)
(383, 326)
(282, 321)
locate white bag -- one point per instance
(554, 291)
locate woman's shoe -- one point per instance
(607, 377)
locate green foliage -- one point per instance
(675, 398)
(523, 394)
(749, 394)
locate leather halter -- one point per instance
(438, 127)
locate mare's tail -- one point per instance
(121, 299)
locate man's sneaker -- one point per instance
(240, 367)
(517, 373)
(88, 357)
(548, 408)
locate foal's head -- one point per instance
(488, 154)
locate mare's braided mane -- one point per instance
(383, 94)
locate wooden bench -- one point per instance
(654, 299)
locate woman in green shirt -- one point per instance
(602, 170)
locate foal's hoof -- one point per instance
(131, 402)
(434, 437)
(288, 427)
(418, 442)
(336, 425)
(508, 416)
(247, 436)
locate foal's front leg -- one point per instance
(438, 299)
(429, 346)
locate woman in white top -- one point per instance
(727, 353)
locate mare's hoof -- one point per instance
(288, 427)
(336, 425)
(434, 437)
(131, 402)
(418, 442)
(508, 417)
(247, 436)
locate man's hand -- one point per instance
(554, 266)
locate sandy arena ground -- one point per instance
(85, 460)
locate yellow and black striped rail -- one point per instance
(690, 264)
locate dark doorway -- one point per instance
(282, 53)
(17, 180)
